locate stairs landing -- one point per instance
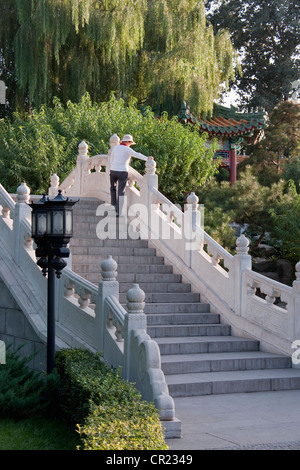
(199, 355)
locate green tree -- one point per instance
(291, 171)
(138, 48)
(267, 34)
(261, 208)
(33, 147)
(279, 151)
(286, 219)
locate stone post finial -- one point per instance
(23, 193)
(82, 151)
(297, 271)
(193, 200)
(109, 269)
(242, 245)
(54, 183)
(114, 140)
(135, 299)
(150, 166)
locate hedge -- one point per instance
(108, 411)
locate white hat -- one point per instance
(128, 138)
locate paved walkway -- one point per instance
(242, 421)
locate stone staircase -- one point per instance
(198, 353)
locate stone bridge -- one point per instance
(151, 290)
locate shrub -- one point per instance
(131, 425)
(108, 410)
(34, 147)
(23, 392)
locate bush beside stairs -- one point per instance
(199, 355)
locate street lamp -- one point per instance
(52, 229)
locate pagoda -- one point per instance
(232, 129)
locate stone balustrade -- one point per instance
(244, 298)
(87, 315)
(91, 316)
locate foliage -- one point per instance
(21, 389)
(37, 432)
(46, 142)
(286, 217)
(267, 35)
(108, 410)
(291, 171)
(272, 157)
(127, 426)
(66, 48)
(261, 209)
(81, 374)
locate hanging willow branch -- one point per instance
(160, 51)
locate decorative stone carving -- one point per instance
(150, 166)
(54, 183)
(242, 245)
(82, 152)
(297, 273)
(109, 268)
(135, 299)
(114, 140)
(193, 200)
(23, 193)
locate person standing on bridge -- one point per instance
(119, 168)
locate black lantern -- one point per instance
(52, 229)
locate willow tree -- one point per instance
(159, 51)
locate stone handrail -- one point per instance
(271, 305)
(93, 316)
(224, 280)
(87, 315)
(7, 203)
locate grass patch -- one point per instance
(83, 404)
(37, 433)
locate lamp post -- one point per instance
(52, 229)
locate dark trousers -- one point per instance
(118, 181)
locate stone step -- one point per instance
(198, 354)
(81, 217)
(145, 269)
(83, 242)
(153, 297)
(215, 362)
(90, 233)
(93, 274)
(182, 319)
(95, 268)
(208, 383)
(162, 287)
(86, 203)
(167, 331)
(82, 212)
(113, 223)
(114, 251)
(141, 278)
(205, 344)
(120, 259)
(171, 308)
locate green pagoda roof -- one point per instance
(227, 122)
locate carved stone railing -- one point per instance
(243, 298)
(87, 315)
(226, 281)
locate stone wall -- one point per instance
(16, 331)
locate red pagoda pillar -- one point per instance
(232, 165)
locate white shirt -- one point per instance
(120, 157)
